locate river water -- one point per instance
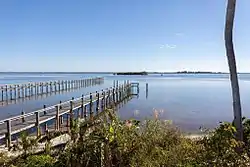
(191, 101)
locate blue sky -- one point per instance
(120, 35)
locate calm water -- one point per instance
(189, 100)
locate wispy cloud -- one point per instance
(168, 46)
(162, 46)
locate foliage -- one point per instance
(4, 159)
(223, 149)
(109, 141)
(47, 148)
(74, 129)
(37, 161)
(27, 144)
(119, 143)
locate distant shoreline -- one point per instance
(131, 73)
(127, 73)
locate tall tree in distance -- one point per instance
(230, 13)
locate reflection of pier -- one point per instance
(63, 114)
(45, 95)
(23, 91)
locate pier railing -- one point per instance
(17, 91)
(86, 106)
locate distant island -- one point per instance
(198, 72)
(131, 73)
(190, 72)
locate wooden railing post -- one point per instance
(2, 92)
(18, 90)
(41, 85)
(47, 88)
(91, 106)
(113, 96)
(97, 101)
(8, 134)
(57, 121)
(110, 96)
(15, 92)
(6, 90)
(55, 86)
(25, 88)
(82, 106)
(117, 95)
(60, 122)
(104, 99)
(33, 89)
(15, 88)
(59, 85)
(37, 124)
(71, 114)
(120, 93)
(60, 104)
(85, 112)
(35, 85)
(10, 92)
(107, 99)
(51, 88)
(23, 118)
(45, 128)
(39, 88)
(67, 123)
(44, 112)
(29, 89)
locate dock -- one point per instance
(12, 92)
(63, 113)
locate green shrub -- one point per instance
(151, 143)
(37, 161)
(222, 148)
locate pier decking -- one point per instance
(83, 107)
(20, 91)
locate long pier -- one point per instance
(83, 107)
(45, 95)
(18, 91)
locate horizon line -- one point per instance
(120, 72)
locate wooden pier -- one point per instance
(45, 95)
(84, 107)
(21, 91)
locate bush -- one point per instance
(222, 148)
(37, 161)
(116, 143)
